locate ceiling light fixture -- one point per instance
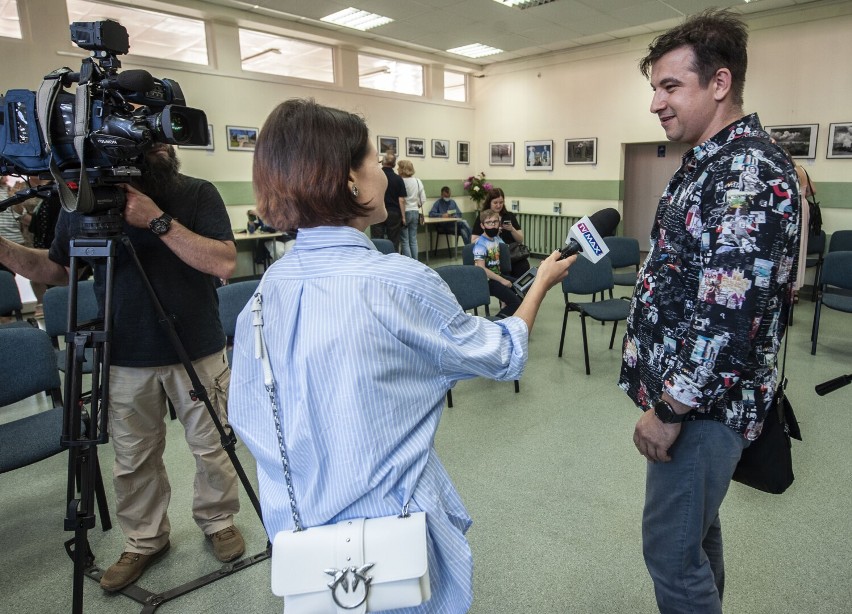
(356, 19)
(526, 4)
(476, 50)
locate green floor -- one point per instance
(552, 481)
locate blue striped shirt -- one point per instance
(364, 347)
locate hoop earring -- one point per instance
(355, 191)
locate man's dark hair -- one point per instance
(302, 160)
(446, 188)
(718, 39)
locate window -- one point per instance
(289, 57)
(10, 23)
(390, 75)
(152, 34)
(455, 86)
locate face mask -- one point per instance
(445, 199)
(492, 232)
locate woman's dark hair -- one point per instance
(301, 165)
(491, 195)
(718, 39)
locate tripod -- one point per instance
(83, 442)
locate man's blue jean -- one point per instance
(681, 531)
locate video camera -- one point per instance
(96, 137)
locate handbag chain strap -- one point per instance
(261, 353)
(269, 383)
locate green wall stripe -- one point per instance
(832, 195)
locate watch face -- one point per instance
(160, 225)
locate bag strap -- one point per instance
(261, 353)
(810, 185)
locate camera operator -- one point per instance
(181, 232)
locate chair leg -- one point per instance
(585, 343)
(815, 329)
(612, 339)
(449, 398)
(517, 386)
(564, 323)
(817, 275)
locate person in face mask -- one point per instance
(486, 255)
(510, 229)
(447, 207)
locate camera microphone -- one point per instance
(586, 236)
(833, 384)
(139, 81)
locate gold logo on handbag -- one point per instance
(342, 579)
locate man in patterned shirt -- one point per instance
(710, 307)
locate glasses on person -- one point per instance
(491, 223)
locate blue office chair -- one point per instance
(232, 299)
(55, 304)
(384, 245)
(815, 257)
(841, 241)
(469, 285)
(28, 368)
(586, 278)
(835, 290)
(624, 252)
(505, 259)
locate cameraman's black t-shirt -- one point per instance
(187, 295)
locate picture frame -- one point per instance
(387, 144)
(241, 138)
(840, 140)
(440, 148)
(210, 145)
(415, 148)
(581, 151)
(538, 155)
(799, 139)
(501, 153)
(463, 152)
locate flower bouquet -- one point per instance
(476, 187)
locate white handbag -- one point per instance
(354, 566)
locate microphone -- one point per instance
(832, 385)
(586, 236)
(139, 81)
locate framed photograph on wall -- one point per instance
(501, 153)
(538, 155)
(387, 144)
(208, 147)
(415, 147)
(581, 151)
(463, 152)
(241, 138)
(800, 140)
(440, 148)
(840, 140)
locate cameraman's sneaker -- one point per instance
(129, 567)
(228, 544)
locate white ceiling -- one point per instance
(436, 25)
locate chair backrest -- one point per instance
(841, 241)
(468, 283)
(587, 278)
(10, 298)
(232, 299)
(837, 270)
(27, 364)
(623, 252)
(55, 304)
(816, 243)
(505, 257)
(384, 245)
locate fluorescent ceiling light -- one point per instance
(356, 19)
(526, 4)
(476, 50)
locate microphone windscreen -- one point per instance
(605, 221)
(136, 81)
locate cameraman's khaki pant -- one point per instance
(137, 410)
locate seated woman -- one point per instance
(362, 347)
(510, 229)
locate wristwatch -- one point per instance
(666, 413)
(160, 225)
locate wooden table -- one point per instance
(242, 235)
(430, 221)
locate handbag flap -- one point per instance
(395, 546)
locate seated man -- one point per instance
(276, 248)
(447, 207)
(486, 254)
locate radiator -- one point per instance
(545, 233)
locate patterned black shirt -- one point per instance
(710, 305)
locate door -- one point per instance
(647, 169)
